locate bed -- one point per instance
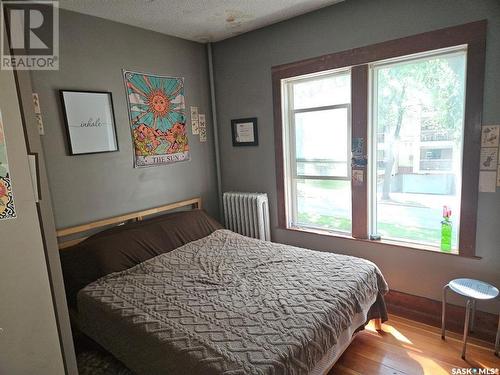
(178, 294)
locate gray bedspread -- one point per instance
(229, 304)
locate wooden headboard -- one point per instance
(118, 220)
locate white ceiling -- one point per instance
(198, 20)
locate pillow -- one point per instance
(125, 246)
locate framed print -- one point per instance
(245, 132)
(90, 121)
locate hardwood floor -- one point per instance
(406, 347)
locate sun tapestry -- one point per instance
(157, 116)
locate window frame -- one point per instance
(460, 50)
(289, 121)
(473, 35)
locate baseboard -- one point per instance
(428, 311)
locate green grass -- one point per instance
(327, 222)
(416, 234)
(387, 230)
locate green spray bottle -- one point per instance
(446, 229)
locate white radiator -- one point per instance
(247, 214)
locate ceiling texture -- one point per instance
(197, 20)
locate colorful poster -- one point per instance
(7, 208)
(157, 118)
(359, 160)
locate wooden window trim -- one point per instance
(359, 116)
(471, 34)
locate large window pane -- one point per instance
(418, 120)
(318, 120)
(321, 139)
(322, 91)
(324, 204)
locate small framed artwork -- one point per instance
(90, 121)
(245, 132)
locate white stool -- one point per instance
(472, 290)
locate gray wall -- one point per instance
(243, 87)
(87, 187)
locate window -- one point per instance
(412, 108)
(318, 151)
(418, 105)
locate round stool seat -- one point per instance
(473, 288)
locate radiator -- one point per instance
(247, 214)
